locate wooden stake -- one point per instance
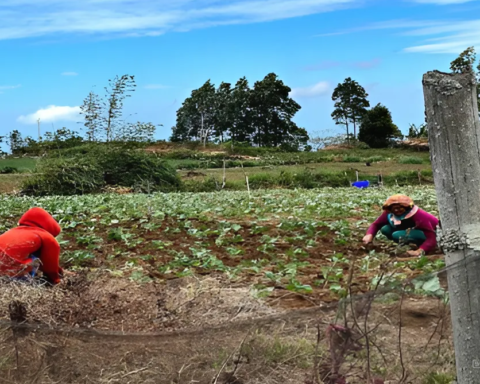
(224, 175)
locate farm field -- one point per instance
(238, 174)
(332, 173)
(23, 164)
(232, 284)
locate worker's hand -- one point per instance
(68, 273)
(417, 253)
(367, 239)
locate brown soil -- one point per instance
(198, 330)
(145, 254)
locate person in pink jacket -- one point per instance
(404, 222)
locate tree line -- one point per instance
(238, 114)
(260, 115)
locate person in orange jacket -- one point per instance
(32, 246)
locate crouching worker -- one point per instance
(404, 222)
(31, 247)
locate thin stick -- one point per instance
(402, 379)
(136, 371)
(224, 174)
(316, 373)
(246, 179)
(367, 339)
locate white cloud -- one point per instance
(69, 74)
(441, 36)
(381, 25)
(50, 114)
(311, 91)
(30, 18)
(452, 38)
(155, 86)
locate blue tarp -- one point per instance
(361, 184)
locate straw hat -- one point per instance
(399, 199)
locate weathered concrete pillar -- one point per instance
(454, 138)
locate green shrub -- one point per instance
(405, 178)
(438, 378)
(262, 181)
(70, 176)
(306, 179)
(84, 174)
(375, 159)
(7, 170)
(410, 160)
(331, 179)
(351, 159)
(141, 170)
(210, 184)
(95, 149)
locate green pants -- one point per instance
(414, 236)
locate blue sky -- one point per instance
(55, 52)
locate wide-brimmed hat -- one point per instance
(399, 199)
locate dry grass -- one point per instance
(11, 182)
(203, 330)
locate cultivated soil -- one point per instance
(104, 325)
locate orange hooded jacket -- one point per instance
(35, 235)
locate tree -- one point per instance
(262, 115)
(2, 152)
(272, 111)
(196, 116)
(103, 117)
(415, 132)
(139, 132)
(223, 108)
(92, 111)
(377, 129)
(187, 126)
(464, 63)
(116, 92)
(326, 138)
(350, 104)
(15, 141)
(204, 101)
(241, 128)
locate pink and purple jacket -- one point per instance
(424, 221)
